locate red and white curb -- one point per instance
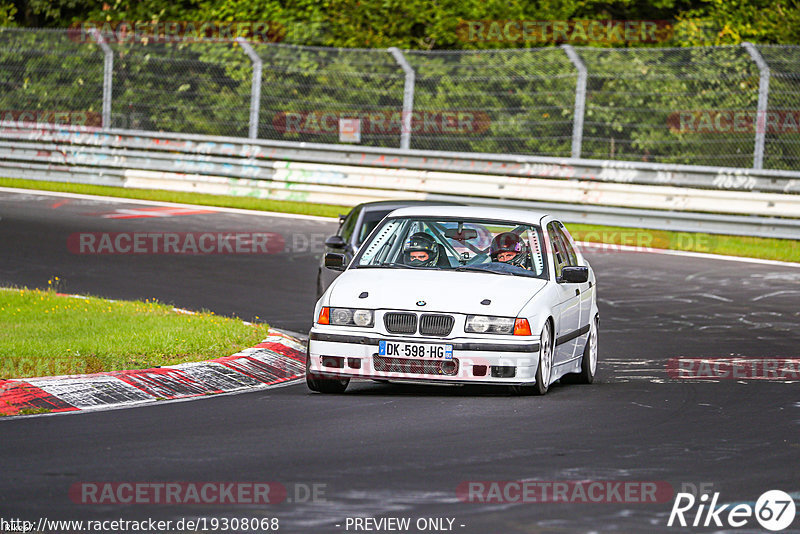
(277, 360)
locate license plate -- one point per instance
(415, 350)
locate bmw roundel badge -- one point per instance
(421, 303)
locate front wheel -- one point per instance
(320, 291)
(321, 383)
(544, 368)
(545, 361)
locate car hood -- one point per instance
(442, 291)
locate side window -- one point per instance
(369, 221)
(558, 253)
(349, 224)
(567, 245)
(366, 228)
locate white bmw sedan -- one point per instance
(458, 295)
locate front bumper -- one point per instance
(477, 361)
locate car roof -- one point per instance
(503, 214)
(394, 204)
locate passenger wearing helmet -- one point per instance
(420, 250)
(509, 248)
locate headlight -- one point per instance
(341, 316)
(351, 317)
(483, 324)
(362, 317)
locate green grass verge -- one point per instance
(224, 201)
(45, 334)
(752, 247)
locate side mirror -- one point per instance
(574, 275)
(335, 261)
(336, 241)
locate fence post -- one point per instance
(255, 86)
(408, 97)
(580, 99)
(763, 97)
(108, 71)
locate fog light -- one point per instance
(503, 371)
(336, 362)
(354, 363)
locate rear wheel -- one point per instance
(321, 383)
(589, 360)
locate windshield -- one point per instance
(499, 247)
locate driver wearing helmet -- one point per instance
(420, 250)
(509, 248)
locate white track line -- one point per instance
(167, 204)
(704, 255)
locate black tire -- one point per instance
(522, 391)
(324, 384)
(588, 362)
(545, 351)
(320, 291)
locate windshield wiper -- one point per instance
(479, 270)
(389, 265)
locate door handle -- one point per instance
(577, 291)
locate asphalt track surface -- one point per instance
(402, 451)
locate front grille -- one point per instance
(415, 367)
(400, 323)
(436, 325)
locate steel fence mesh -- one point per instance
(501, 101)
(306, 90)
(669, 105)
(44, 76)
(662, 105)
(782, 128)
(198, 88)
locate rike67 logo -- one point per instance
(774, 510)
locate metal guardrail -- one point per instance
(251, 150)
(747, 201)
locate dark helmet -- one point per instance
(509, 242)
(421, 242)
